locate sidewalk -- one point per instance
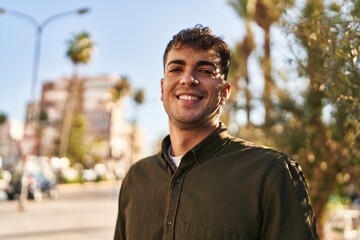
(82, 212)
(65, 187)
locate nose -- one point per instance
(189, 79)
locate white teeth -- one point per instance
(188, 98)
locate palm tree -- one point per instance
(80, 49)
(240, 59)
(121, 88)
(79, 52)
(138, 97)
(265, 13)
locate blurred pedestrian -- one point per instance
(204, 183)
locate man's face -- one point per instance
(193, 89)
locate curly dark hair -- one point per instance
(201, 38)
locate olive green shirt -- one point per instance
(224, 188)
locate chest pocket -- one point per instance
(193, 232)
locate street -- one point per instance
(82, 211)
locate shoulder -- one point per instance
(147, 170)
(255, 152)
(142, 171)
(267, 160)
(145, 164)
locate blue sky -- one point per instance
(130, 38)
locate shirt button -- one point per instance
(169, 222)
(177, 181)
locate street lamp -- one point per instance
(37, 49)
(33, 116)
(38, 37)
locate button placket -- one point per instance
(173, 200)
(175, 193)
(177, 181)
(169, 222)
(171, 210)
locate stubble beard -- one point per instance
(185, 122)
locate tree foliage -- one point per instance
(139, 96)
(3, 118)
(121, 88)
(317, 125)
(265, 13)
(80, 48)
(328, 146)
(78, 149)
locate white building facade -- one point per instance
(107, 132)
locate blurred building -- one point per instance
(106, 130)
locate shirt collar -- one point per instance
(203, 150)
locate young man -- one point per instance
(205, 184)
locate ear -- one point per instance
(225, 94)
(161, 86)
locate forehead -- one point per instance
(190, 55)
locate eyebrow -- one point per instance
(176, 61)
(199, 63)
(205, 63)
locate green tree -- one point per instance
(78, 149)
(319, 126)
(268, 12)
(79, 52)
(3, 118)
(139, 96)
(327, 146)
(265, 13)
(239, 68)
(80, 49)
(121, 88)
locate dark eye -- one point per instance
(206, 72)
(174, 70)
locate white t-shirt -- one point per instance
(176, 160)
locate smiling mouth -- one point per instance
(189, 98)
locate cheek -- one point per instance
(165, 89)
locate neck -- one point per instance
(183, 139)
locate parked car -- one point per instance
(37, 174)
